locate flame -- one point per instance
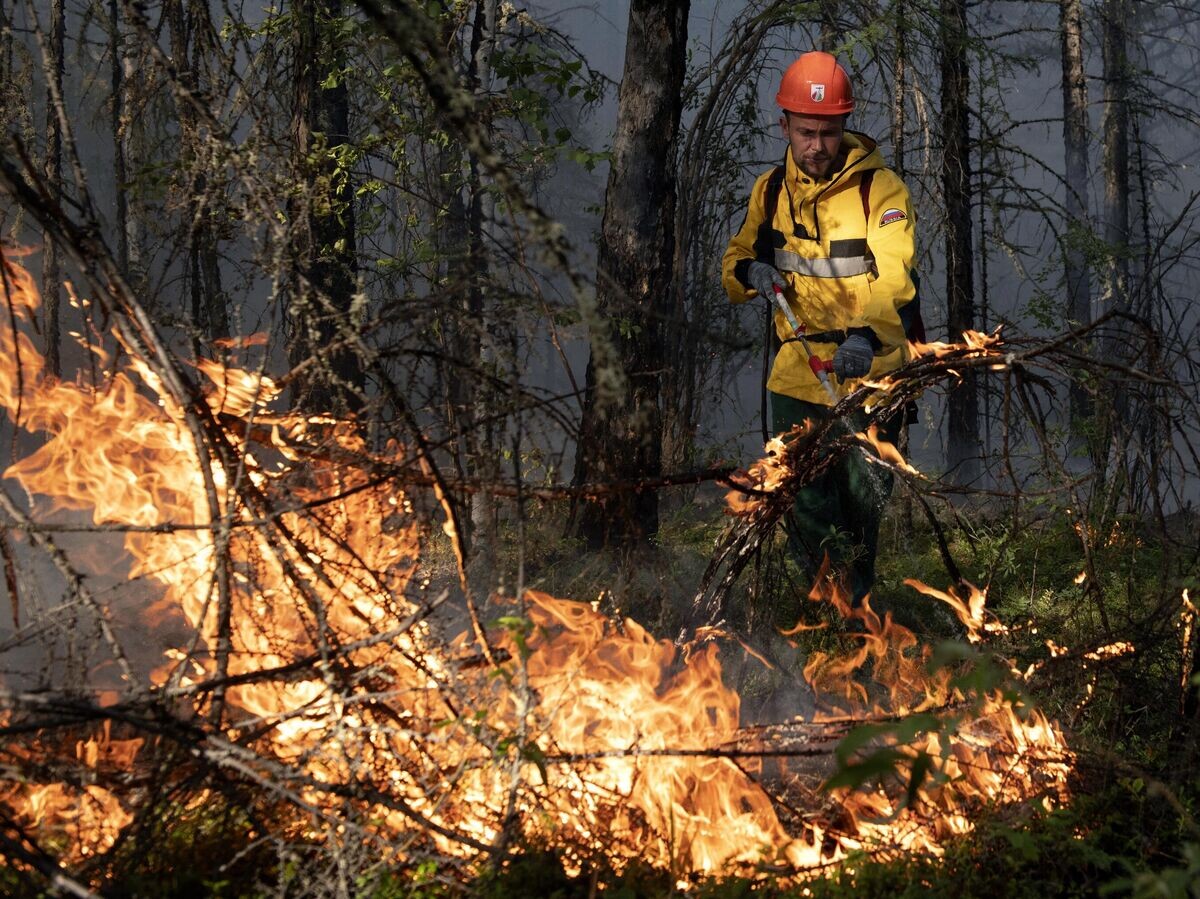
(885, 449)
(765, 476)
(970, 611)
(998, 753)
(86, 817)
(610, 698)
(973, 340)
(290, 568)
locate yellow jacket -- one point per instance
(847, 271)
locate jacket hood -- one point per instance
(861, 154)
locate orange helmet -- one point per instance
(816, 85)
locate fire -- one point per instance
(976, 750)
(969, 611)
(610, 699)
(886, 450)
(306, 662)
(974, 340)
(86, 816)
(763, 477)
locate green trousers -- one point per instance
(839, 512)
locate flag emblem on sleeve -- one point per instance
(892, 215)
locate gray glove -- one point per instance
(762, 278)
(853, 358)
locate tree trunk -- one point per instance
(327, 263)
(485, 462)
(830, 31)
(1075, 140)
(1111, 409)
(962, 417)
(621, 432)
(51, 270)
(1116, 150)
(209, 305)
(899, 14)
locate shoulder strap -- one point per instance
(774, 187)
(764, 246)
(864, 190)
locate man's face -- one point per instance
(815, 141)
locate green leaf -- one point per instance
(874, 766)
(857, 739)
(533, 753)
(921, 767)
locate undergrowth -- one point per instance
(1129, 830)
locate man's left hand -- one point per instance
(853, 358)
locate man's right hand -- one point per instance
(764, 278)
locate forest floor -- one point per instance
(1128, 830)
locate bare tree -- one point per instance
(1115, 20)
(191, 30)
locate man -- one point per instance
(831, 227)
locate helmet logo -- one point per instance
(817, 92)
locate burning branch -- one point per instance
(317, 679)
(794, 460)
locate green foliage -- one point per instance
(1175, 882)
(194, 846)
(1082, 851)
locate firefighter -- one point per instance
(832, 227)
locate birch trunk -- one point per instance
(485, 461)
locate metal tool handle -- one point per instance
(820, 367)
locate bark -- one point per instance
(485, 459)
(899, 12)
(831, 32)
(116, 55)
(51, 269)
(898, 123)
(962, 415)
(1116, 149)
(1112, 405)
(327, 265)
(1075, 140)
(209, 305)
(621, 431)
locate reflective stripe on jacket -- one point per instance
(846, 271)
